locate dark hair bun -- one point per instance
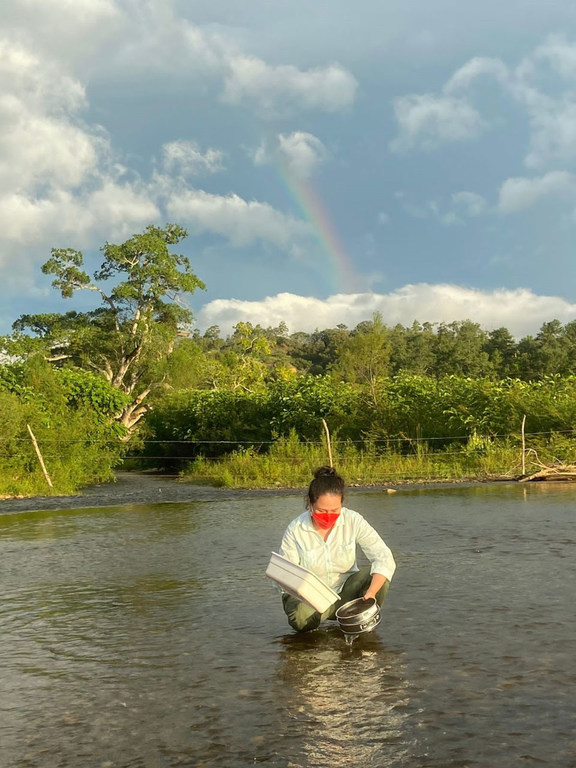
(325, 472)
(326, 480)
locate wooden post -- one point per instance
(523, 446)
(40, 459)
(328, 442)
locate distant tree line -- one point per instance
(371, 351)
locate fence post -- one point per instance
(40, 459)
(523, 446)
(328, 442)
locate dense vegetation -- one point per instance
(70, 413)
(415, 427)
(372, 350)
(423, 401)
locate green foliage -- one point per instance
(88, 389)
(299, 403)
(417, 419)
(218, 422)
(128, 338)
(70, 414)
(365, 356)
(372, 350)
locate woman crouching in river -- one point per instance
(323, 539)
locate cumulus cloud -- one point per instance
(551, 112)
(58, 175)
(427, 121)
(242, 222)
(521, 310)
(157, 39)
(156, 36)
(516, 194)
(67, 30)
(474, 69)
(42, 141)
(299, 153)
(112, 210)
(559, 54)
(185, 158)
(282, 90)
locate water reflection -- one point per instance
(154, 521)
(348, 704)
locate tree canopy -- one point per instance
(130, 335)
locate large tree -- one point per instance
(365, 355)
(130, 335)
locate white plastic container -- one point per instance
(301, 583)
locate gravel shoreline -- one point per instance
(141, 488)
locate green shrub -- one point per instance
(78, 440)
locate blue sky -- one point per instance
(329, 159)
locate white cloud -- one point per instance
(282, 90)
(123, 38)
(551, 111)
(185, 158)
(429, 209)
(42, 141)
(427, 121)
(519, 193)
(553, 137)
(158, 40)
(462, 206)
(560, 55)
(472, 70)
(469, 203)
(119, 208)
(112, 210)
(58, 177)
(521, 311)
(67, 30)
(299, 153)
(37, 149)
(242, 222)
(39, 82)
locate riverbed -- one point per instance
(147, 635)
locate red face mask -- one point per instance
(325, 520)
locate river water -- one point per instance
(148, 636)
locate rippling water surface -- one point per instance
(148, 636)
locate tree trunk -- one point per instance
(132, 413)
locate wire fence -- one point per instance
(396, 451)
(49, 450)
(366, 441)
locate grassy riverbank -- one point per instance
(290, 463)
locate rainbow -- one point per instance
(344, 277)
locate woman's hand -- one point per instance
(378, 581)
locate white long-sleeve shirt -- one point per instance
(334, 560)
